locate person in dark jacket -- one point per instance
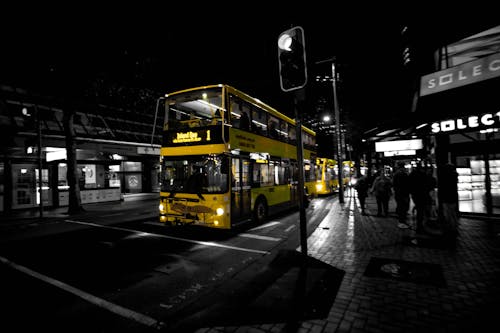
(382, 188)
(421, 186)
(362, 188)
(401, 185)
(448, 195)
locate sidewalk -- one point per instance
(391, 284)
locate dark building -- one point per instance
(455, 111)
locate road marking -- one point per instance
(273, 239)
(117, 309)
(170, 237)
(265, 225)
(290, 228)
(114, 214)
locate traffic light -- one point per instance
(292, 59)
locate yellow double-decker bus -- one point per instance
(327, 180)
(227, 158)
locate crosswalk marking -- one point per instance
(273, 239)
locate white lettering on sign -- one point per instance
(469, 72)
(487, 119)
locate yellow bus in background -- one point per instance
(227, 158)
(327, 180)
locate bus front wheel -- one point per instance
(260, 210)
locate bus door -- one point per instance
(294, 183)
(241, 190)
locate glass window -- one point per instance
(240, 114)
(283, 130)
(197, 174)
(259, 121)
(62, 173)
(114, 178)
(292, 135)
(273, 127)
(194, 109)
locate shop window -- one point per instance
(62, 176)
(89, 173)
(113, 176)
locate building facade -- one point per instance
(117, 152)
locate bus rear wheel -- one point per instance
(260, 210)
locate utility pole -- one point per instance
(339, 134)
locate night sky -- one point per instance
(166, 49)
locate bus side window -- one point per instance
(244, 121)
(235, 115)
(259, 122)
(291, 135)
(273, 127)
(284, 130)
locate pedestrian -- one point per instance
(431, 209)
(382, 188)
(420, 188)
(448, 196)
(362, 188)
(401, 185)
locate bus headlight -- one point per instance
(161, 207)
(219, 211)
(319, 187)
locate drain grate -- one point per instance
(408, 271)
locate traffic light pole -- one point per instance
(339, 135)
(300, 166)
(293, 77)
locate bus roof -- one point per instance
(248, 98)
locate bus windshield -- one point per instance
(198, 108)
(201, 174)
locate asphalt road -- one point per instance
(134, 276)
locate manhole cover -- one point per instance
(416, 272)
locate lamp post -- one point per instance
(339, 134)
(337, 127)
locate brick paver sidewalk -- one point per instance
(348, 240)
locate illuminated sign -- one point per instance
(190, 137)
(485, 120)
(198, 137)
(398, 145)
(469, 72)
(59, 154)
